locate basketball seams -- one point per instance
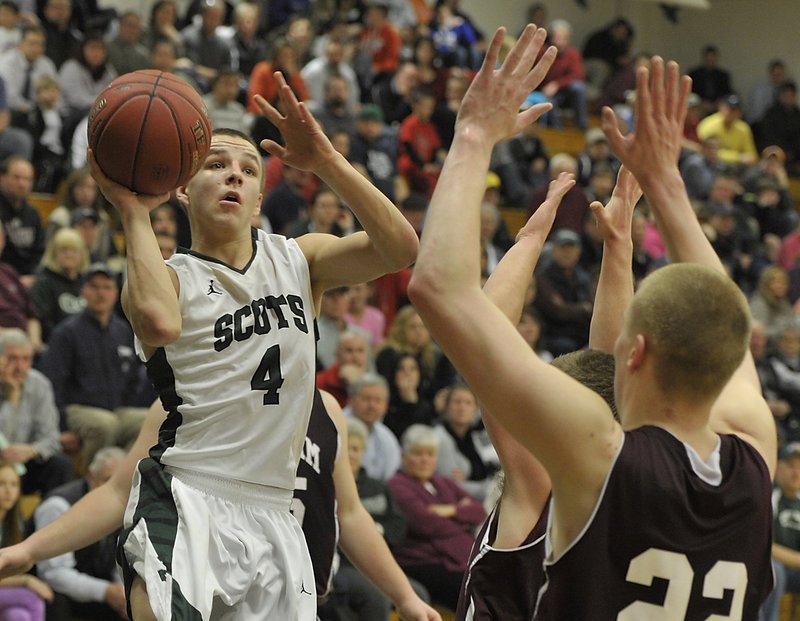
(179, 127)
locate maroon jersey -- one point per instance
(314, 502)
(665, 544)
(502, 584)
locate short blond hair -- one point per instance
(696, 323)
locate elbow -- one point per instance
(404, 252)
(425, 289)
(157, 332)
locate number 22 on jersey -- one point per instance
(676, 569)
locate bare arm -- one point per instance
(615, 285)
(527, 486)
(388, 242)
(576, 450)
(651, 154)
(360, 538)
(93, 517)
(149, 297)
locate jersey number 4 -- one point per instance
(675, 567)
(268, 375)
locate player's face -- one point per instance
(227, 189)
(420, 463)
(9, 488)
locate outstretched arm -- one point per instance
(388, 242)
(577, 450)
(93, 517)
(615, 285)
(651, 154)
(360, 538)
(526, 486)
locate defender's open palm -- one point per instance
(305, 144)
(614, 220)
(490, 108)
(540, 223)
(660, 109)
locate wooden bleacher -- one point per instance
(44, 204)
(568, 140)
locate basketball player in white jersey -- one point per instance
(227, 330)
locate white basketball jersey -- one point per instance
(239, 381)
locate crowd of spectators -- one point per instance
(385, 79)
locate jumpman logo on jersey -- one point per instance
(211, 288)
(303, 589)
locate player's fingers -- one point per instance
(268, 110)
(641, 105)
(684, 90)
(610, 126)
(537, 74)
(514, 62)
(490, 60)
(273, 148)
(531, 115)
(672, 90)
(657, 87)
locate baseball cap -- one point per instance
(84, 213)
(732, 101)
(790, 451)
(337, 290)
(722, 209)
(370, 112)
(774, 151)
(98, 268)
(595, 135)
(563, 237)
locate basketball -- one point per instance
(149, 131)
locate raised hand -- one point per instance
(540, 223)
(614, 220)
(305, 144)
(660, 112)
(490, 108)
(118, 195)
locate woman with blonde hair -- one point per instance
(56, 291)
(22, 596)
(770, 303)
(408, 334)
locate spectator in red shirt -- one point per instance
(564, 83)
(420, 147)
(380, 43)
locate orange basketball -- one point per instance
(149, 131)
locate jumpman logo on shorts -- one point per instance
(211, 288)
(303, 589)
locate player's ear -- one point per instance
(183, 198)
(637, 353)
